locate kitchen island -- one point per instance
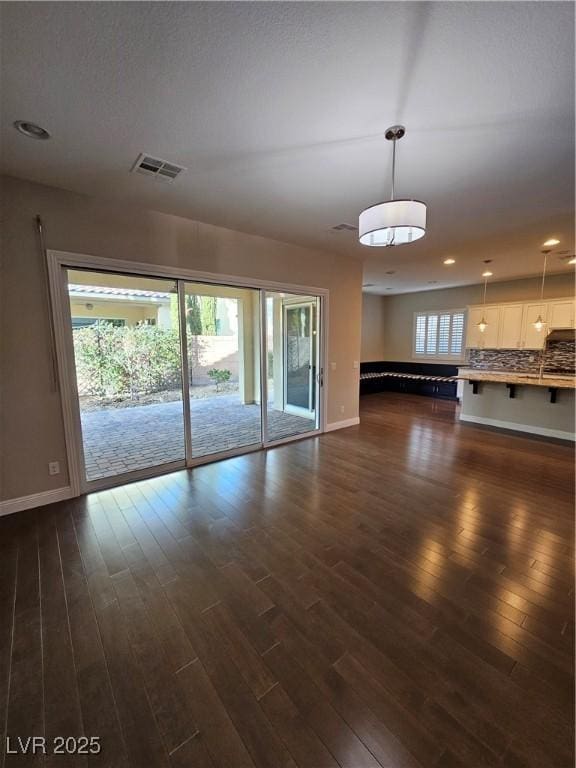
(524, 402)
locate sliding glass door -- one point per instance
(171, 373)
(223, 344)
(128, 364)
(294, 373)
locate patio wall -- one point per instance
(208, 352)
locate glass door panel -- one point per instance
(292, 349)
(223, 344)
(126, 339)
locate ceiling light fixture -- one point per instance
(449, 261)
(482, 325)
(31, 130)
(395, 222)
(572, 260)
(487, 273)
(551, 243)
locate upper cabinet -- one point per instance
(487, 339)
(511, 326)
(531, 337)
(510, 331)
(561, 314)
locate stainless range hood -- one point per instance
(561, 334)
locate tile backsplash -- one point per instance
(558, 356)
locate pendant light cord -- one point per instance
(543, 277)
(485, 284)
(393, 166)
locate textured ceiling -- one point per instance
(277, 110)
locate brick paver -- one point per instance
(120, 440)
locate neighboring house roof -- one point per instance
(107, 292)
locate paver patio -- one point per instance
(118, 440)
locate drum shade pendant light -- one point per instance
(395, 222)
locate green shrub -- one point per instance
(126, 361)
(219, 376)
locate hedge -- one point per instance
(127, 361)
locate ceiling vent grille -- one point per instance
(345, 228)
(160, 169)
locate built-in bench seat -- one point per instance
(429, 379)
(416, 376)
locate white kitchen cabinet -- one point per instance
(511, 326)
(489, 339)
(510, 331)
(561, 314)
(531, 338)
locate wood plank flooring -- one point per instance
(393, 595)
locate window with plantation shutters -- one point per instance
(439, 334)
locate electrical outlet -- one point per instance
(332, 366)
(54, 468)
(356, 365)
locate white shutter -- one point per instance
(420, 337)
(439, 334)
(431, 334)
(457, 333)
(444, 334)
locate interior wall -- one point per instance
(31, 426)
(373, 332)
(398, 311)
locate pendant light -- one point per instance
(395, 222)
(482, 325)
(539, 323)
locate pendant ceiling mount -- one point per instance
(395, 222)
(395, 132)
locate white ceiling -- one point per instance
(278, 110)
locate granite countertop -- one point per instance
(515, 377)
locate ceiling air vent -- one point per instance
(345, 228)
(160, 169)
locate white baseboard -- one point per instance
(542, 431)
(10, 506)
(343, 424)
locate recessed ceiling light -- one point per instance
(449, 261)
(572, 260)
(31, 130)
(551, 242)
(391, 272)
(487, 274)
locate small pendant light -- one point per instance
(482, 325)
(395, 222)
(539, 323)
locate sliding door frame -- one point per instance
(59, 261)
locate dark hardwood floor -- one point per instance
(398, 594)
